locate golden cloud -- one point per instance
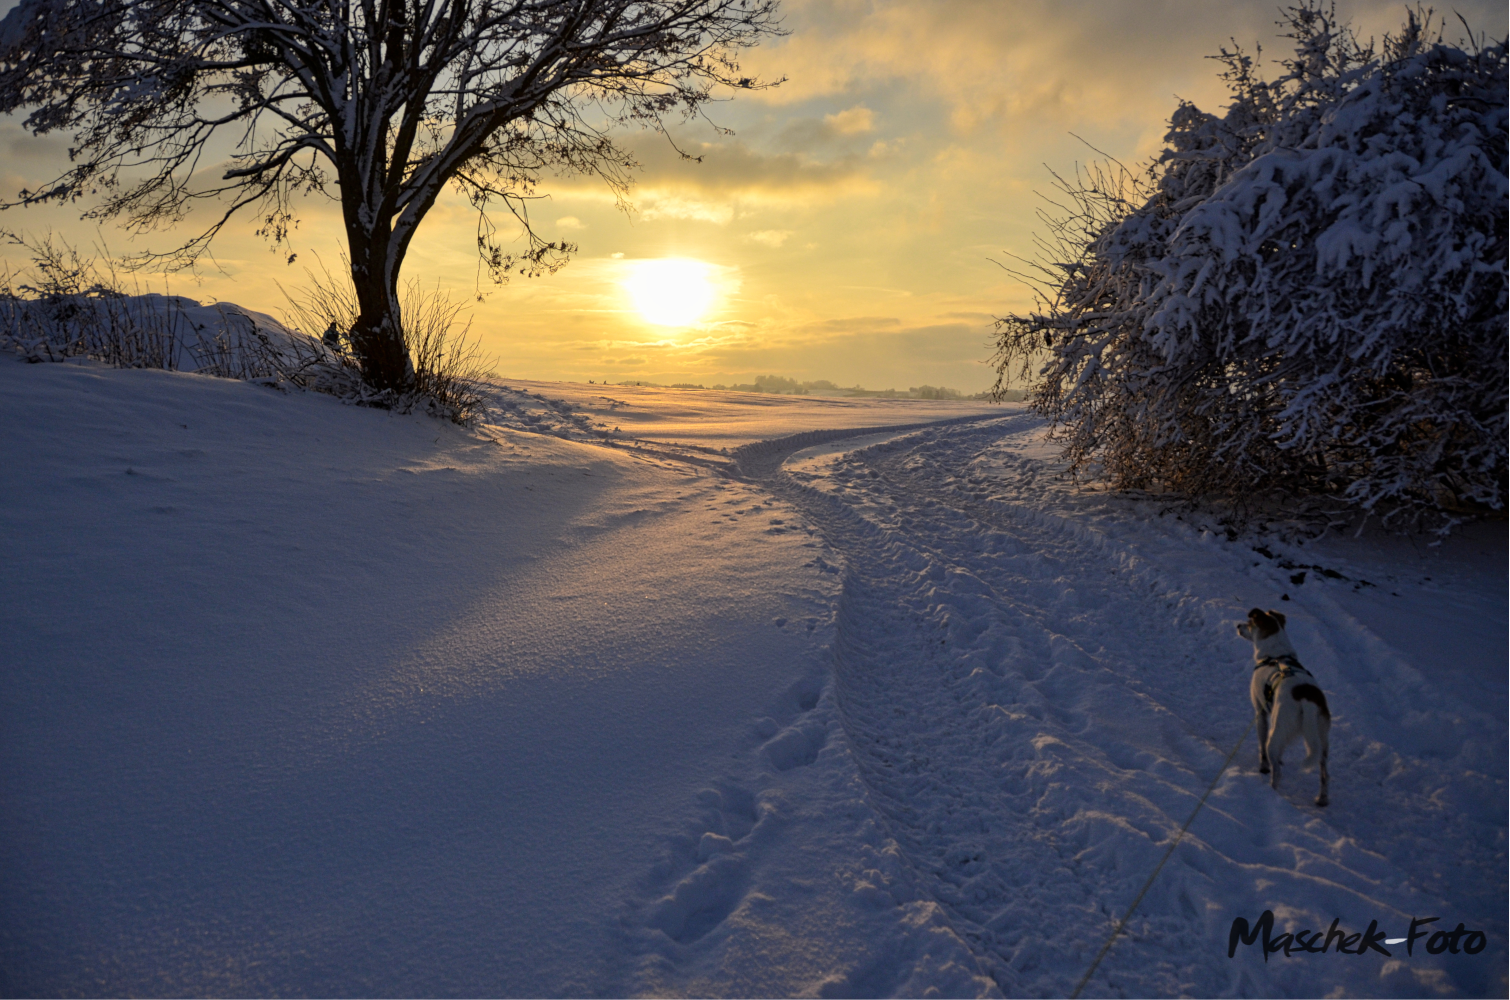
(769, 237)
(851, 121)
(992, 60)
(724, 180)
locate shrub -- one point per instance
(1306, 293)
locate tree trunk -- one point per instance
(377, 337)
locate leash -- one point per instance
(1178, 837)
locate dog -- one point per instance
(1286, 699)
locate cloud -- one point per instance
(847, 325)
(726, 180)
(769, 237)
(733, 167)
(875, 351)
(49, 151)
(654, 203)
(570, 222)
(878, 351)
(851, 121)
(1031, 61)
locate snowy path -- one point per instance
(1037, 703)
(300, 698)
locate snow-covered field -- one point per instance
(700, 421)
(302, 698)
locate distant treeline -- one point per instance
(783, 386)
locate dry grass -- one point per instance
(68, 305)
(449, 366)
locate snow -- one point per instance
(189, 335)
(766, 697)
(708, 419)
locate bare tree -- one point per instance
(389, 101)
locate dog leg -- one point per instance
(1322, 799)
(1278, 737)
(1262, 725)
(1287, 721)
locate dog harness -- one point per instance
(1286, 666)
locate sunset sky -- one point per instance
(848, 228)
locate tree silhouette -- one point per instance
(382, 103)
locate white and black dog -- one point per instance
(1286, 699)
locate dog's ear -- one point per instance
(1278, 617)
(1264, 623)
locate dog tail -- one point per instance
(1315, 719)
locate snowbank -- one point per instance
(172, 332)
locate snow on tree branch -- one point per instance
(1306, 293)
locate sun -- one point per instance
(671, 291)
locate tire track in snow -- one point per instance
(921, 718)
(1422, 827)
(1034, 713)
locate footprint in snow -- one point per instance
(731, 811)
(701, 901)
(713, 844)
(797, 746)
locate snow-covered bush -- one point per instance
(1306, 293)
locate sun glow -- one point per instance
(671, 291)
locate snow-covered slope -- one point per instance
(307, 698)
(152, 330)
